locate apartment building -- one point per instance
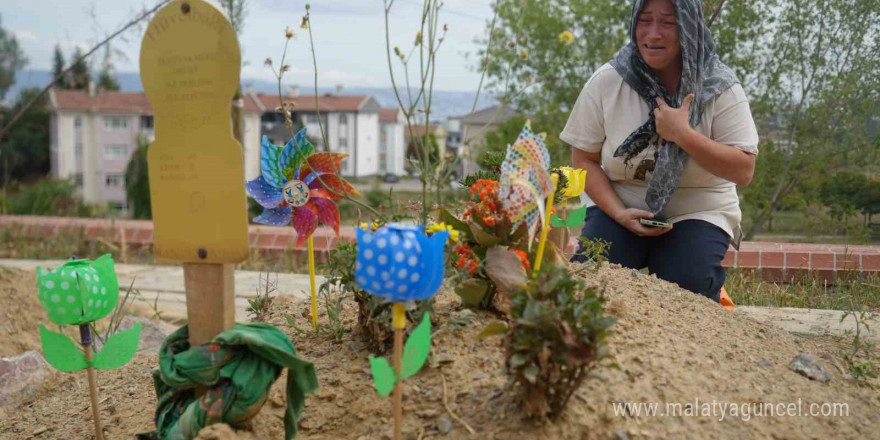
(93, 134)
(351, 123)
(392, 142)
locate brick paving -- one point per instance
(777, 262)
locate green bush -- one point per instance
(48, 197)
(557, 335)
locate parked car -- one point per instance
(391, 178)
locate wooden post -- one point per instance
(123, 245)
(399, 324)
(85, 335)
(210, 299)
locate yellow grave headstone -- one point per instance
(190, 65)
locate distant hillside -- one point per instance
(444, 104)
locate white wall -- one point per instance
(367, 143)
(251, 145)
(395, 145)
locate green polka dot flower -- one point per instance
(79, 291)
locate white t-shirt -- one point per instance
(608, 110)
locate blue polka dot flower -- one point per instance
(400, 263)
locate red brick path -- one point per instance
(775, 261)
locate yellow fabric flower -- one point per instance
(566, 38)
(437, 227)
(577, 181)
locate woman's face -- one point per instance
(657, 35)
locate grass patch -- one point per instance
(746, 289)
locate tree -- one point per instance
(841, 193)
(106, 80)
(526, 49)
(58, 67)
(26, 145)
(12, 59)
(820, 77)
(137, 182)
(868, 200)
(80, 74)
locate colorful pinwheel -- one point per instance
(299, 186)
(525, 181)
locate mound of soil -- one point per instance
(20, 312)
(672, 347)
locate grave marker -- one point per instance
(190, 65)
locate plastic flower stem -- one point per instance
(399, 323)
(545, 227)
(312, 281)
(86, 339)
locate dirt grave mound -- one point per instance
(673, 347)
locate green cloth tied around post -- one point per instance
(238, 367)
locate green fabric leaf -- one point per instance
(383, 375)
(61, 352)
(238, 366)
(472, 291)
(575, 218)
(493, 329)
(415, 351)
(119, 349)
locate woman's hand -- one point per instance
(629, 219)
(673, 124)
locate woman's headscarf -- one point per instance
(702, 74)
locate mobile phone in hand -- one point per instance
(651, 223)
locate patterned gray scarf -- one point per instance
(703, 74)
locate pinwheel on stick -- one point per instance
(525, 183)
(300, 187)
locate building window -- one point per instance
(113, 152)
(115, 122)
(146, 122)
(78, 122)
(343, 119)
(78, 150)
(114, 180)
(78, 180)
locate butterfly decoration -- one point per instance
(299, 186)
(525, 180)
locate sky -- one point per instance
(349, 37)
